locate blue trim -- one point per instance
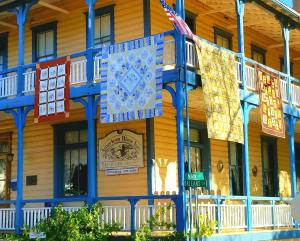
(270, 140)
(58, 167)
(43, 28)
(282, 66)
(256, 236)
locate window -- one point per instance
(297, 160)
(282, 67)
(199, 150)
(104, 26)
(223, 38)
(44, 42)
(190, 20)
(5, 166)
(71, 154)
(3, 51)
(236, 168)
(269, 164)
(258, 54)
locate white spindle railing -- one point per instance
(191, 57)
(97, 62)
(233, 215)
(144, 212)
(238, 71)
(117, 214)
(32, 216)
(262, 215)
(169, 54)
(29, 81)
(295, 94)
(283, 215)
(251, 80)
(284, 90)
(8, 86)
(78, 72)
(7, 218)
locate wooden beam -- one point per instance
(8, 25)
(53, 7)
(273, 46)
(247, 24)
(214, 11)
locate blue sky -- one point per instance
(288, 2)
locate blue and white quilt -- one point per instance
(131, 80)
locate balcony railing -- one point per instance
(8, 84)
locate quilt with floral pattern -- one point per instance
(221, 92)
(131, 80)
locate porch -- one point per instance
(229, 212)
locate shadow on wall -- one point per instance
(165, 176)
(284, 184)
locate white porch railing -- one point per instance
(295, 94)
(7, 218)
(8, 86)
(29, 78)
(111, 214)
(78, 72)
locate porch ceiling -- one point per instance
(258, 19)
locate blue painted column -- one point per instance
(246, 167)
(240, 11)
(91, 107)
(90, 41)
(20, 120)
(21, 15)
(179, 105)
(287, 61)
(92, 162)
(291, 120)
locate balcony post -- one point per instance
(246, 167)
(21, 15)
(240, 11)
(91, 107)
(90, 41)
(285, 27)
(291, 121)
(179, 106)
(19, 115)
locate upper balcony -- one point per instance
(79, 63)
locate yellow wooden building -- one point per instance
(38, 161)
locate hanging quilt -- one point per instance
(221, 92)
(52, 90)
(272, 120)
(131, 80)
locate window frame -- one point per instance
(4, 41)
(272, 140)
(52, 26)
(282, 66)
(230, 175)
(225, 34)
(58, 167)
(109, 9)
(206, 165)
(262, 51)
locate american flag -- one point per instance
(177, 20)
